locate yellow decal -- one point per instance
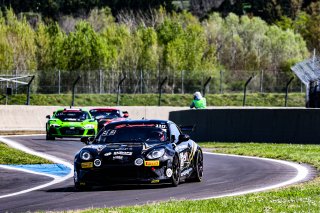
(87, 165)
(155, 181)
(152, 163)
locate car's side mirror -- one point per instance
(183, 137)
(87, 140)
(125, 114)
(48, 116)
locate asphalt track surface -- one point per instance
(223, 176)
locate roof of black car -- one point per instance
(141, 121)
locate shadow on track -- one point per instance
(122, 187)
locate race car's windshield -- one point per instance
(105, 114)
(133, 134)
(76, 116)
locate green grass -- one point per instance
(12, 156)
(228, 99)
(304, 197)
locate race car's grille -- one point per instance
(52, 131)
(90, 132)
(119, 160)
(72, 131)
(121, 173)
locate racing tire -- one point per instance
(50, 137)
(176, 172)
(80, 188)
(77, 185)
(198, 167)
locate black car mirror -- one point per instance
(48, 116)
(183, 137)
(87, 140)
(125, 114)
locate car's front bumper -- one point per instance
(123, 174)
(76, 132)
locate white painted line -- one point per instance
(54, 159)
(302, 173)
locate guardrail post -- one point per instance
(119, 88)
(28, 90)
(73, 89)
(287, 88)
(160, 90)
(205, 86)
(245, 90)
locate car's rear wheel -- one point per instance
(176, 172)
(198, 167)
(50, 137)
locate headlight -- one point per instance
(54, 125)
(85, 155)
(89, 126)
(157, 153)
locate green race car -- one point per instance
(74, 123)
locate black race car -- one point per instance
(138, 151)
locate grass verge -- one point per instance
(228, 99)
(9, 155)
(304, 197)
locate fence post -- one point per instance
(59, 78)
(287, 88)
(205, 86)
(160, 90)
(261, 81)
(28, 90)
(245, 91)
(221, 75)
(100, 81)
(73, 89)
(118, 93)
(182, 79)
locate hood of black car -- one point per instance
(120, 148)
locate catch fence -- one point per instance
(140, 82)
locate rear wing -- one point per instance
(187, 128)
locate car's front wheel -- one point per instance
(176, 172)
(77, 185)
(49, 137)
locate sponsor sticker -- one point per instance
(86, 165)
(122, 153)
(152, 163)
(107, 154)
(118, 157)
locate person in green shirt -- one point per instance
(198, 102)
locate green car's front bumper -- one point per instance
(72, 132)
